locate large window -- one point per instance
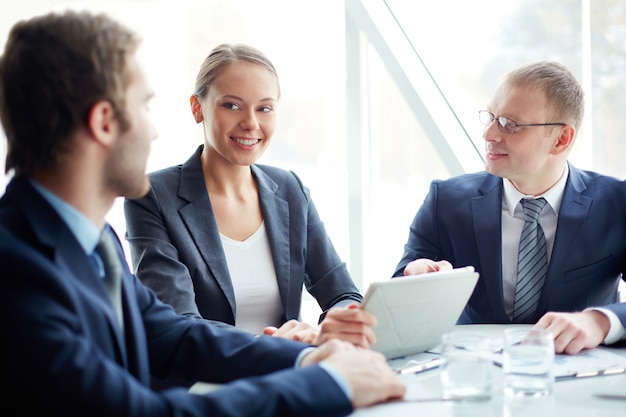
(368, 174)
(460, 50)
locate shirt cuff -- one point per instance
(617, 331)
(330, 370)
(339, 379)
(301, 355)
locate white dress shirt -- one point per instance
(512, 224)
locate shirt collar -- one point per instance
(83, 229)
(554, 196)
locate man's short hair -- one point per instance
(565, 96)
(54, 68)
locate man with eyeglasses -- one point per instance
(548, 239)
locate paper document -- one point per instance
(589, 362)
(413, 364)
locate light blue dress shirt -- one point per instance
(83, 229)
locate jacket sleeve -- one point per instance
(154, 256)
(59, 359)
(423, 240)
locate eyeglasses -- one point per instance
(507, 125)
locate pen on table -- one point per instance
(421, 366)
(586, 374)
(610, 396)
(428, 400)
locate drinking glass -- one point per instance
(528, 362)
(467, 367)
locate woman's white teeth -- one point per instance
(246, 142)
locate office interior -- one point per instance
(379, 97)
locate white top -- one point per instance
(254, 282)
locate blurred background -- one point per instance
(378, 97)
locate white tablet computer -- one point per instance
(414, 311)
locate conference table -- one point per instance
(571, 397)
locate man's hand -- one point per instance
(370, 378)
(351, 324)
(325, 350)
(574, 332)
(423, 265)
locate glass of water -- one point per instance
(467, 366)
(528, 362)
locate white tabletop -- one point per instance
(571, 398)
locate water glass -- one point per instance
(467, 366)
(528, 362)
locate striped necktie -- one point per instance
(113, 272)
(532, 263)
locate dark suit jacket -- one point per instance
(460, 221)
(64, 355)
(176, 248)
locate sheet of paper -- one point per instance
(589, 362)
(418, 362)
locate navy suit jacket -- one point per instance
(460, 221)
(177, 251)
(64, 354)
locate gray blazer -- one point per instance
(176, 248)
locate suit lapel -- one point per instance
(276, 214)
(60, 244)
(199, 218)
(572, 214)
(487, 215)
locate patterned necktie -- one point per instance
(113, 273)
(532, 263)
